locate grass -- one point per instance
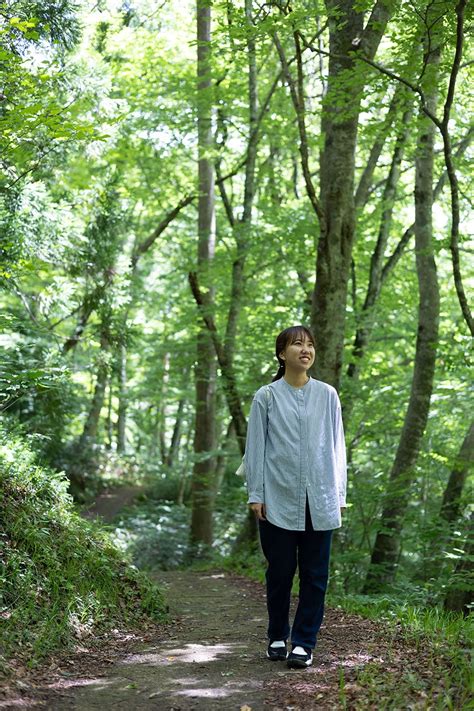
(441, 641)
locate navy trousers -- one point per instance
(284, 551)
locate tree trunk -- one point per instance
(335, 209)
(450, 510)
(365, 183)
(159, 438)
(89, 433)
(450, 507)
(459, 595)
(241, 230)
(176, 436)
(377, 260)
(205, 371)
(110, 425)
(337, 167)
(122, 406)
(386, 550)
(223, 455)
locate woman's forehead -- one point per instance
(300, 336)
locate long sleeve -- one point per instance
(340, 454)
(255, 447)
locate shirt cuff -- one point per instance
(255, 499)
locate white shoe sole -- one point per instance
(300, 664)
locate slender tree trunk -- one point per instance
(450, 507)
(205, 371)
(365, 183)
(459, 595)
(450, 510)
(89, 433)
(88, 306)
(242, 226)
(223, 455)
(176, 436)
(448, 157)
(386, 549)
(377, 260)
(122, 405)
(161, 396)
(241, 229)
(110, 424)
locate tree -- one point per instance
(205, 369)
(385, 553)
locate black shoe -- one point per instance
(276, 654)
(300, 661)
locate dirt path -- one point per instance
(111, 501)
(212, 659)
(212, 656)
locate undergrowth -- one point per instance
(444, 639)
(61, 577)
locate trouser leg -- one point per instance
(313, 565)
(279, 548)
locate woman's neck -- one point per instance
(296, 379)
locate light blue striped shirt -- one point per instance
(295, 447)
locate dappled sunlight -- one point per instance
(357, 660)
(99, 683)
(187, 653)
(227, 689)
(19, 703)
(205, 693)
(214, 576)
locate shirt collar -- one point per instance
(292, 387)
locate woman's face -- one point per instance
(299, 355)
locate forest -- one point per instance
(179, 183)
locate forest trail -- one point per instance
(210, 656)
(111, 501)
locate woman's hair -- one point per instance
(285, 338)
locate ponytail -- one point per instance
(280, 372)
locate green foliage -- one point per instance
(155, 531)
(61, 576)
(155, 534)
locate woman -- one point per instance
(295, 463)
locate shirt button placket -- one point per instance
(302, 492)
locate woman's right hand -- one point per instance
(259, 511)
